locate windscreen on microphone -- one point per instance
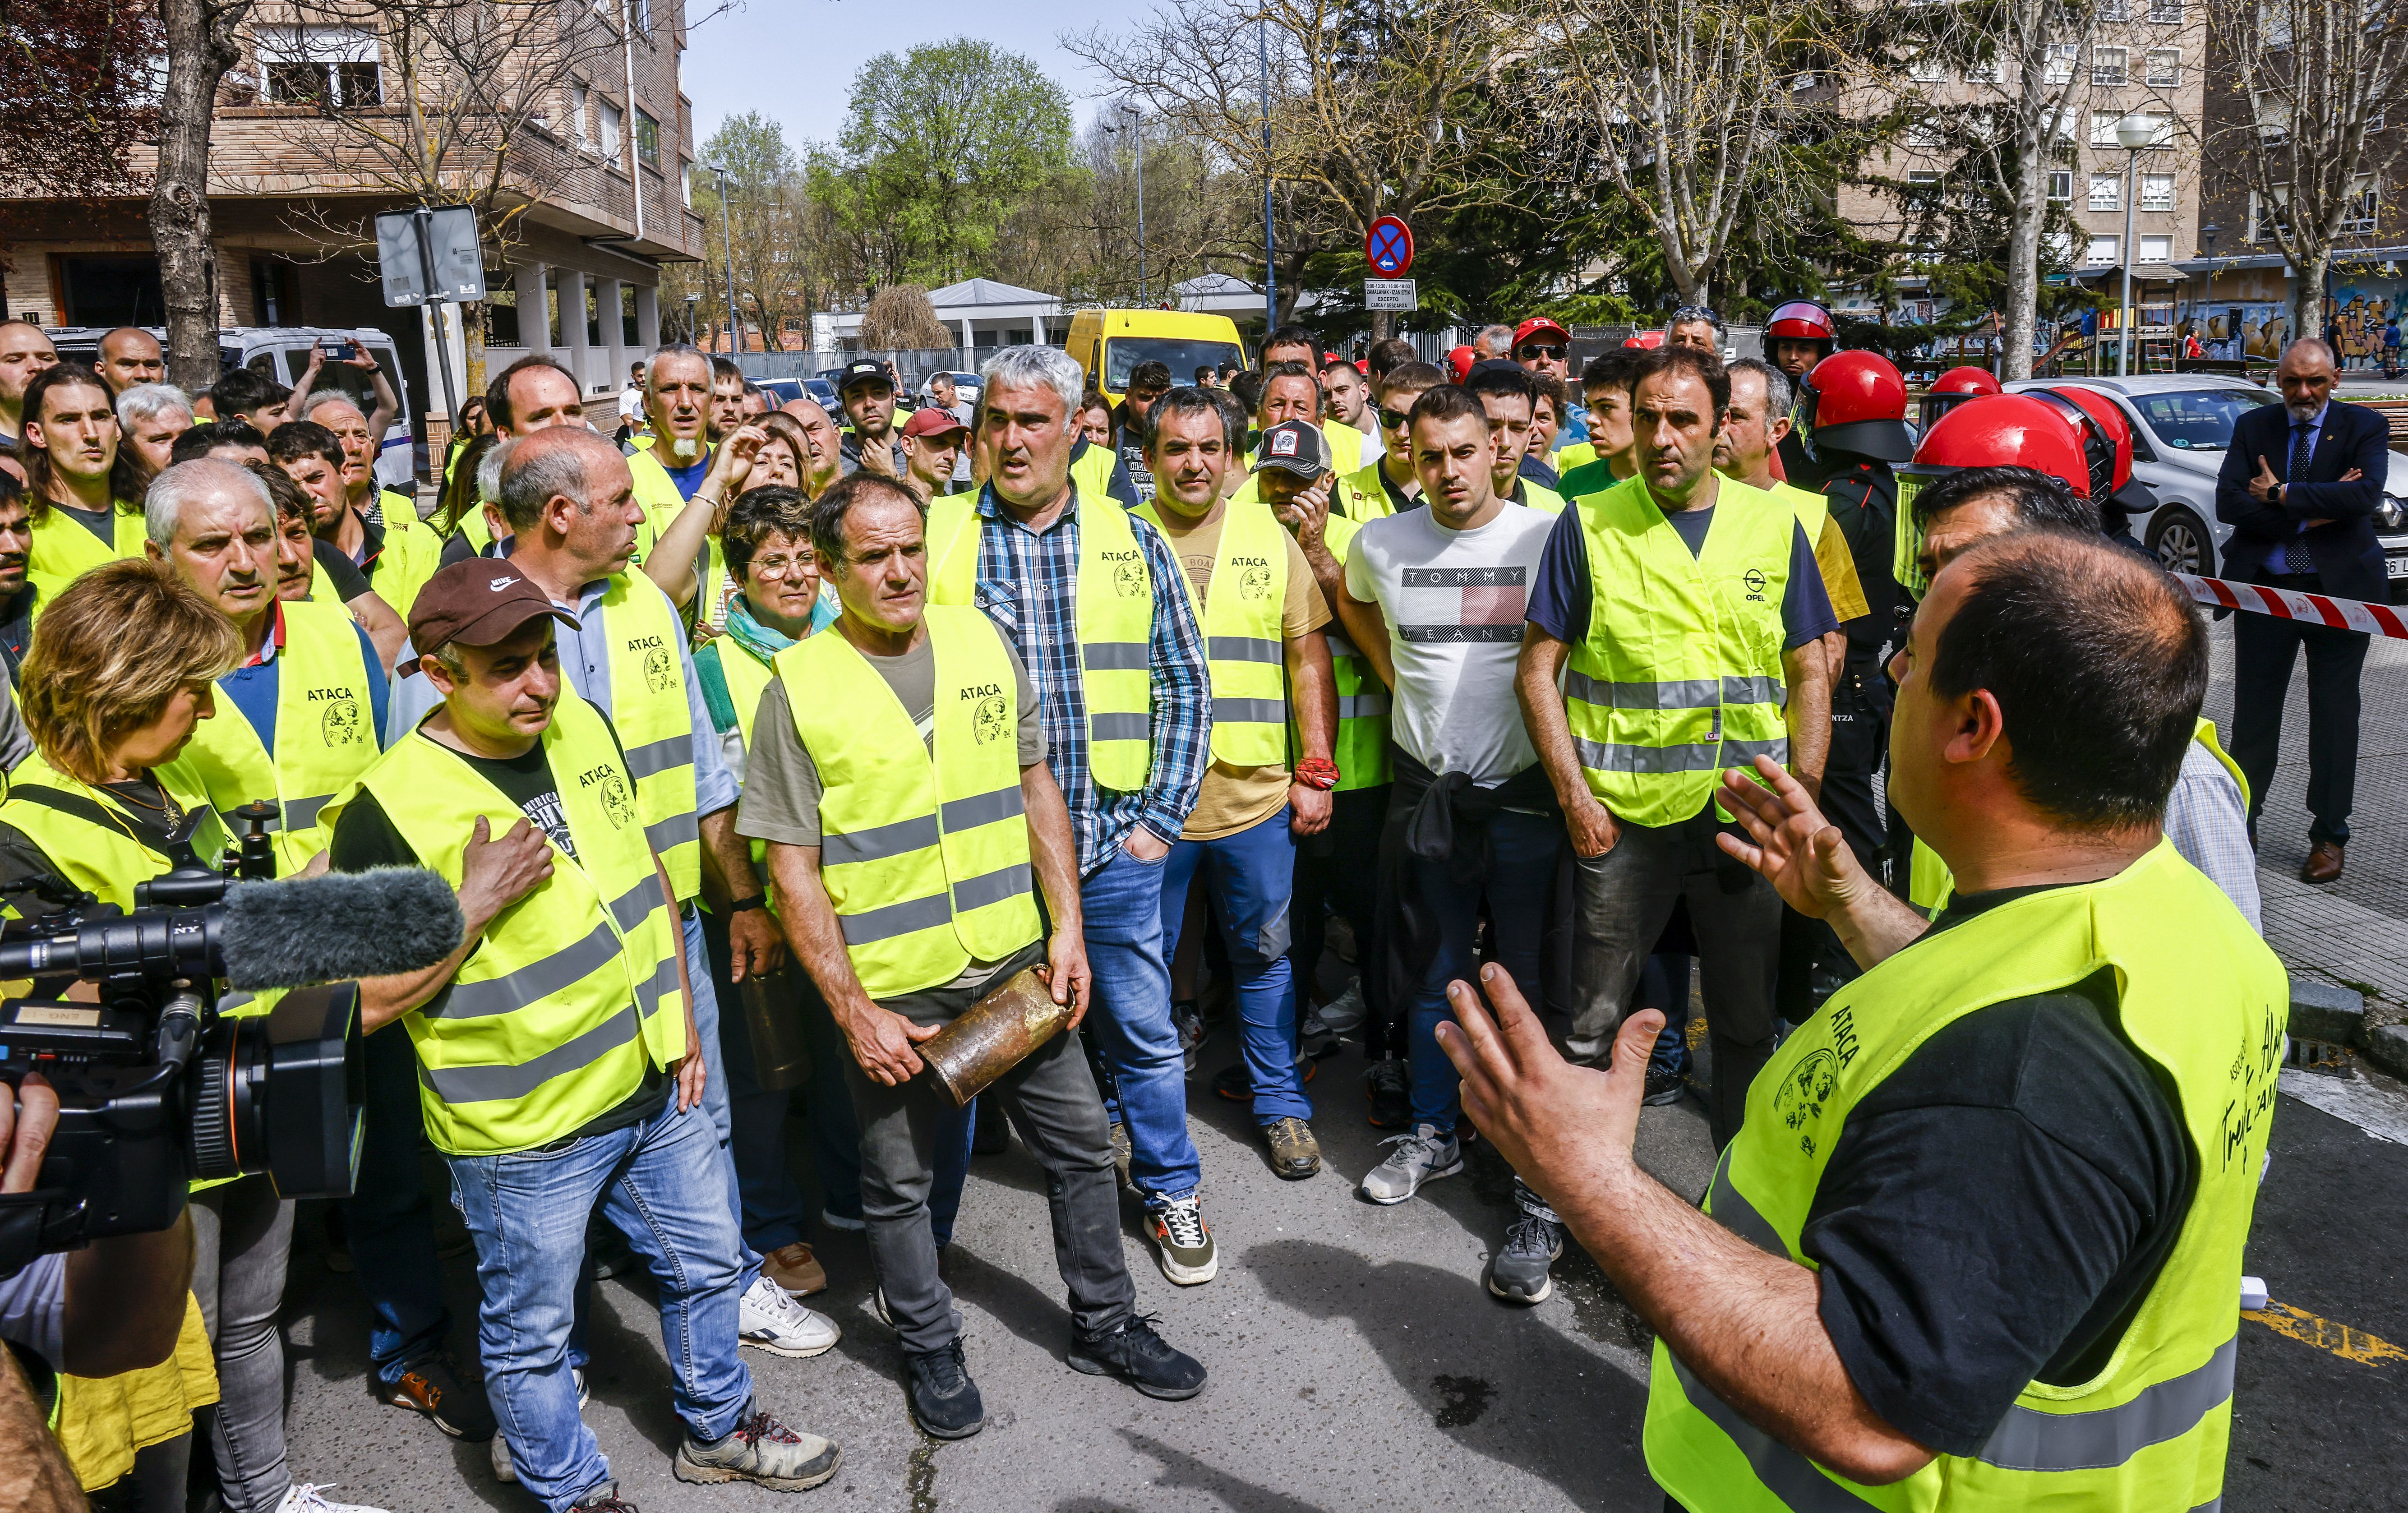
(337, 927)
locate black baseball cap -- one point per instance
(1295, 446)
(478, 602)
(863, 370)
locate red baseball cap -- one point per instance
(928, 420)
(1535, 326)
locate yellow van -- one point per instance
(1110, 344)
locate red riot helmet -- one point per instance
(1458, 363)
(1801, 320)
(1855, 402)
(1645, 340)
(2018, 430)
(2107, 446)
(1952, 389)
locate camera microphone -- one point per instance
(292, 933)
(337, 927)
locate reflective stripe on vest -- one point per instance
(572, 993)
(90, 837)
(924, 856)
(64, 550)
(1243, 619)
(1114, 622)
(2205, 1003)
(655, 719)
(325, 732)
(1361, 749)
(1679, 674)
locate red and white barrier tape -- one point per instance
(2317, 608)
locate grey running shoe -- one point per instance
(1295, 1153)
(1345, 1013)
(760, 1449)
(1518, 1272)
(1182, 1242)
(1189, 1022)
(1423, 1156)
(1313, 1034)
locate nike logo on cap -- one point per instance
(498, 584)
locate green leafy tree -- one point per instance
(941, 145)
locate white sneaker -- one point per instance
(771, 1320)
(307, 1498)
(504, 1469)
(1423, 1156)
(1344, 1014)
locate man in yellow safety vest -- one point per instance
(899, 776)
(559, 1062)
(1978, 1243)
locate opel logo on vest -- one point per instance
(1754, 578)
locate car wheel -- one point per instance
(2180, 541)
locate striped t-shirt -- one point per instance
(1454, 603)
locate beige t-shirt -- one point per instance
(1233, 798)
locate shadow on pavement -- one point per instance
(1182, 1472)
(1500, 1383)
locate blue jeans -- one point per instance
(715, 1101)
(657, 1183)
(955, 1129)
(1122, 905)
(1250, 875)
(388, 1219)
(1522, 850)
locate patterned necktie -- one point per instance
(2284, 560)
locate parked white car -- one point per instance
(2180, 425)
(283, 353)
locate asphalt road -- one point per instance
(1357, 1359)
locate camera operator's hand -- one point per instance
(496, 874)
(27, 1121)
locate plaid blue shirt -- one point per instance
(1028, 584)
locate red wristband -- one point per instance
(1317, 772)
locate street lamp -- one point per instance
(693, 321)
(727, 252)
(1132, 122)
(1271, 242)
(2134, 133)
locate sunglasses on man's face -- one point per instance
(1552, 353)
(1394, 419)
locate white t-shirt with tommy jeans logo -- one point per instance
(1454, 603)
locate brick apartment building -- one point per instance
(608, 163)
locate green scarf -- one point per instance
(765, 641)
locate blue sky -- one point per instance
(794, 60)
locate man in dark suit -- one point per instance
(2299, 487)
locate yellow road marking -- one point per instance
(2338, 1339)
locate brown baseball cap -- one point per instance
(928, 420)
(478, 602)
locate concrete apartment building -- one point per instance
(602, 170)
(2145, 57)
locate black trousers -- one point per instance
(2263, 650)
(1814, 964)
(1337, 872)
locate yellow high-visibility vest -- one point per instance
(325, 731)
(924, 854)
(655, 719)
(572, 993)
(2204, 1003)
(1246, 651)
(1680, 675)
(64, 550)
(1114, 616)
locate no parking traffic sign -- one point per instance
(1388, 247)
